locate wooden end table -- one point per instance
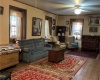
(56, 54)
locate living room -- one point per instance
(88, 65)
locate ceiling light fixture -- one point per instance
(77, 11)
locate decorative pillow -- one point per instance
(75, 44)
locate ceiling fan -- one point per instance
(77, 9)
(72, 6)
(66, 7)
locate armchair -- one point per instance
(55, 39)
(71, 44)
(57, 42)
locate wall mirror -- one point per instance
(36, 26)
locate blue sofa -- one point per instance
(34, 49)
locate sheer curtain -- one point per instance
(47, 31)
(77, 30)
(15, 24)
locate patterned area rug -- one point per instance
(35, 73)
(68, 67)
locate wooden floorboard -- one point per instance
(89, 71)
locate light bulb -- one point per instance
(77, 11)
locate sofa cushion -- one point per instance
(39, 43)
(29, 43)
(29, 50)
(41, 50)
(74, 44)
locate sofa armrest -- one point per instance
(48, 45)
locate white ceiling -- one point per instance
(66, 7)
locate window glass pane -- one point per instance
(13, 33)
(77, 30)
(13, 29)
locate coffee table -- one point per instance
(56, 54)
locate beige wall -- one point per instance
(62, 22)
(31, 12)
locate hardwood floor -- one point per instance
(89, 71)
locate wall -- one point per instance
(31, 12)
(62, 22)
(54, 17)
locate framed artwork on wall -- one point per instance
(94, 21)
(36, 26)
(1, 10)
(53, 27)
(93, 29)
(54, 22)
(67, 22)
(67, 29)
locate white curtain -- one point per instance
(17, 24)
(77, 30)
(47, 33)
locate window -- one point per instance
(76, 29)
(17, 27)
(13, 26)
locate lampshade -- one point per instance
(77, 11)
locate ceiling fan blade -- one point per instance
(94, 6)
(85, 11)
(65, 9)
(55, 3)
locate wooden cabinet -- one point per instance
(56, 54)
(90, 42)
(10, 59)
(61, 33)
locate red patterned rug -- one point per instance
(68, 67)
(36, 73)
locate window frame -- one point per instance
(24, 24)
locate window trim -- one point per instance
(24, 19)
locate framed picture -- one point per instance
(36, 26)
(54, 22)
(67, 22)
(93, 29)
(53, 27)
(67, 29)
(94, 21)
(1, 10)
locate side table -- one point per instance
(56, 54)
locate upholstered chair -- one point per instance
(55, 39)
(71, 44)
